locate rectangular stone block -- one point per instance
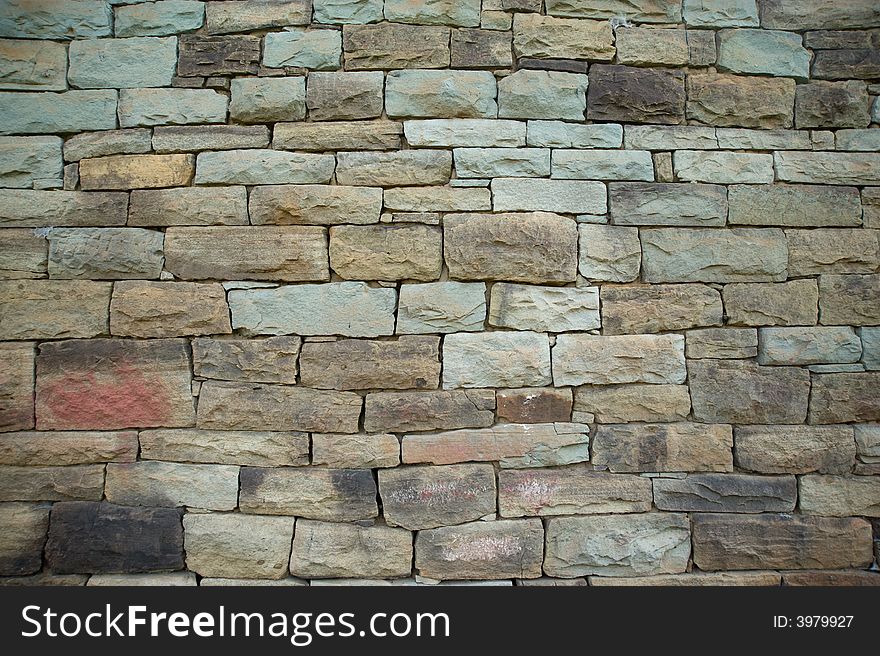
(832, 105)
(424, 497)
(793, 303)
(602, 165)
(640, 46)
(403, 167)
(347, 12)
(816, 15)
(537, 247)
(465, 13)
(740, 101)
(624, 403)
(658, 308)
(352, 309)
(861, 63)
(188, 206)
(670, 137)
(722, 167)
(67, 447)
(844, 397)
(763, 52)
(122, 63)
(95, 538)
(168, 309)
(849, 299)
(730, 541)
(570, 491)
(558, 134)
(71, 111)
(104, 253)
(237, 545)
(146, 107)
(123, 172)
(355, 451)
(551, 309)
(26, 208)
(50, 309)
(626, 545)
(78, 482)
(430, 410)
(270, 360)
(674, 447)
(813, 345)
(828, 168)
(253, 167)
(551, 95)
(496, 359)
(831, 578)
(745, 139)
(528, 405)
(395, 46)
(382, 252)
(667, 204)
(26, 161)
(108, 142)
(336, 495)
(441, 307)
(437, 199)
(21, 545)
(16, 387)
(514, 446)
(251, 406)
(794, 205)
(239, 16)
(636, 95)
(739, 493)
(446, 94)
(260, 449)
(104, 384)
(501, 549)
(795, 449)
(693, 579)
(345, 96)
(501, 162)
(159, 19)
(341, 135)
(218, 55)
(580, 359)
(209, 137)
(305, 48)
(642, 11)
(546, 37)
(465, 133)
(330, 550)
(314, 204)
(839, 496)
(721, 343)
(566, 196)
(55, 19)
(172, 484)
(609, 253)
(268, 99)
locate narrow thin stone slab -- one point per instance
(794, 205)
(259, 449)
(314, 204)
(438, 199)
(67, 447)
(21, 544)
(726, 493)
(792, 303)
(693, 579)
(105, 253)
(844, 397)
(602, 165)
(254, 167)
(188, 206)
(355, 451)
(831, 578)
(172, 484)
(580, 359)
(501, 549)
(429, 410)
(71, 111)
(745, 139)
(624, 545)
(565, 196)
(441, 307)
(168, 309)
(667, 204)
(496, 359)
(558, 134)
(271, 360)
(339, 135)
(721, 343)
(50, 483)
(403, 167)
(624, 403)
(123, 172)
(813, 345)
(642, 11)
(465, 132)
(209, 137)
(109, 142)
(674, 447)
(529, 405)
(658, 308)
(839, 496)
(51, 309)
(828, 168)
(849, 299)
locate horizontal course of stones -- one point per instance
(561, 292)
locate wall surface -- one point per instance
(561, 292)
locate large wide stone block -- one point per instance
(625, 545)
(392, 169)
(170, 107)
(172, 484)
(259, 449)
(642, 46)
(661, 204)
(188, 206)
(168, 309)
(551, 309)
(345, 96)
(123, 172)
(535, 248)
(26, 161)
(832, 105)
(355, 451)
(528, 405)
(845, 397)
(839, 496)
(464, 13)
(447, 94)
(105, 253)
(801, 206)
(270, 360)
(237, 16)
(429, 410)
(122, 63)
(740, 101)
(635, 95)
(658, 308)
(540, 195)
(55, 19)
(201, 55)
(722, 343)
(254, 167)
(382, 252)
(809, 345)
(314, 204)
(828, 168)
(624, 403)
(35, 209)
(795, 449)
(395, 46)
(36, 448)
(545, 37)
(849, 300)
(580, 359)
(763, 52)
(255, 100)
(16, 387)
(542, 94)
(496, 359)
(436, 199)
(159, 19)
(106, 384)
(603, 164)
(441, 307)
(740, 493)
(792, 303)
(501, 162)
(52, 309)
(818, 15)
(50, 483)
(21, 544)
(71, 111)
(720, 13)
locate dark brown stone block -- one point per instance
(429, 410)
(218, 55)
(839, 398)
(565, 65)
(472, 48)
(832, 105)
(635, 95)
(532, 405)
(848, 64)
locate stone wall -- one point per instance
(561, 292)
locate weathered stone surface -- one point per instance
(253, 167)
(740, 493)
(496, 359)
(657, 308)
(104, 253)
(52, 483)
(537, 247)
(546, 37)
(170, 484)
(103, 384)
(642, 11)
(122, 63)
(437, 199)
(542, 95)
(32, 65)
(814, 14)
(266, 449)
(71, 111)
(570, 491)
(793, 303)
(25, 161)
(828, 168)
(201, 55)
(188, 206)
(747, 139)
(355, 451)
(832, 105)
(636, 203)
(342, 135)
(381, 252)
(642, 544)
(831, 578)
(635, 95)
(170, 579)
(345, 96)
(839, 398)
(720, 13)
(209, 137)
(514, 446)
(558, 134)
(168, 309)
(551, 309)
(251, 406)
(501, 549)
(839, 496)
(271, 360)
(163, 18)
(395, 46)
(432, 410)
(67, 447)
(55, 19)
(870, 347)
(471, 48)
(462, 94)
(849, 300)
(813, 345)
(623, 403)
(680, 446)
(21, 544)
(706, 255)
(844, 64)
(670, 137)
(870, 195)
(340, 495)
(722, 343)
(603, 164)
(410, 362)
(123, 172)
(529, 405)
(402, 167)
(256, 100)
(645, 47)
(568, 196)
(723, 167)
(465, 132)
(348, 11)
(501, 162)
(465, 13)
(90, 537)
(424, 497)
(693, 579)
(45, 578)
(22, 254)
(793, 205)
(352, 309)
(743, 392)
(237, 545)
(857, 139)
(580, 359)
(108, 142)
(739, 101)
(795, 449)
(170, 107)
(308, 48)
(729, 541)
(763, 52)
(44, 309)
(314, 204)
(330, 550)
(238, 16)
(609, 253)
(441, 307)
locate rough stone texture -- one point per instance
(644, 47)
(188, 206)
(395, 46)
(55, 19)
(793, 303)
(528, 405)
(236, 16)
(123, 172)
(217, 55)
(52, 483)
(658, 308)
(849, 300)
(674, 447)
(814, 345)
(828, 168)
(723, 541)
(256, 100)
(25, 160)
(726, 493)
(832, 105)
(314, 204)
(168, 309)
(482, 550)
(411, 252)
(623, 403)
(104, 253)
(71, 111)
(271, 360)
(472, 48)
(67, 447)
(558, 134)
(743, 392)
(636, 95)
(626, 545)
(839, 496)
(609, 253)
(51, 309)
(260, 449)
(218, 137)
(793, 205)
(441, 307)
(16, 387)
(721, 13)
(529, 194)
(461, 94)
(159, 19)
(831, 578)
(403, 167)
(845, 396)
(430, 410)
(667, 204)
(551, 309)
(763, 52)
(122, 63)
(367, 135)
(542, 95)
(355, 451)
(344, 96)
(145, 107)
(602, 165)
(580, 359)
(545, 37)
(21, 546)
(171, 484)
(721, 343)
(795, 449)
(497, 359)
(262, 167)
(740, 101)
